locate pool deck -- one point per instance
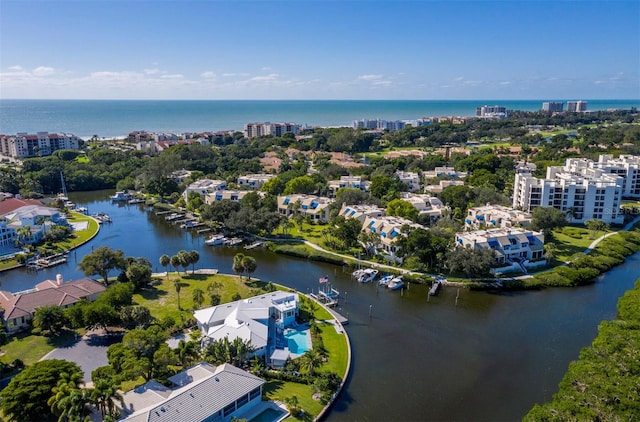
(259, 408)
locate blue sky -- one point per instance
(320, 49)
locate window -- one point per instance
(242, 401)
(229, 409)
(254, 393)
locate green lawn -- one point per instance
(162, 298)
(336, 345)
(31, 348)
(280, 390)
(572, 240)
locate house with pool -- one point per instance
(267, 322)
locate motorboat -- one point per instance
(120, 196)
(396, 283)
(214, 240)
(368, 275)
(437, 283)
(386, 279)
(358, 273)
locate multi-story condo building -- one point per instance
(229, 195)
(253, 130)
(204, 187)
(625, 166)
(254, 181)
(552, 106)
(361, 212)
(442, 185)
(581, 192)
(491, 112)
(354, 182)
(576, 106)
(312, 206)
(411, 179)
(24, 145)
(379, 124)
(496, 216)
(509, 245)
(389, 229)
(425, 204)
(444, 171)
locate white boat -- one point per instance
(214, 240)
(234, 241)
(386, 279)
(437, 283)
(396, 283)
(368, 275)
(358, 273)
(120, 197)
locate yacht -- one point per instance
(214, 240)
(368, 275)
(120, 196)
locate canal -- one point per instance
(489, 357)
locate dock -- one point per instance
(253, 245)
(207, 230)
(43, 263)
(163, 212)
(341, 319)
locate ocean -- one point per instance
(116, 118)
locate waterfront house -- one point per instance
(201, 393)
(228, 194)
(389, 229)
(18, 308)
(38, 218)
(204, 187)
(312, 206)
(496, 216)
(514, 248)
(258, 320)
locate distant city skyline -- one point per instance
(547, 50)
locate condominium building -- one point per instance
(253, 130)
(24, 145)
(491, 112)
(425, 204)
(228, 195)
(552, 106)
(625, 166)
(254, 181)
(442, 185)
(204, 187)
(361, 212)
(509, 245)
(389, 229)
(411, 179)
(581, 192)
(312, 206)
(353, 182)
(496, 216)
(576, 106)
(379, 124)
(444, 171)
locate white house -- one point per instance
(354, 182)
(315, 207)
(496, 216)
(260, 320)
(38, 218)
(254, 181)
(444, 171)
(411, 179)
(204, 187)
(201, 393)
(229, 194)
(389, 229)
(425, 204)
(361, 212)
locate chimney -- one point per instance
(59, 279)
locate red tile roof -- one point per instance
(12, 204)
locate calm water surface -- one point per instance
(490, 358)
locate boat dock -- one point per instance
(341, 319)
(163, 212)
(253, 245)
(43, 263)
(204, 230)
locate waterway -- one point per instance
(488, 358)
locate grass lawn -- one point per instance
(336, 345)
(572, 240)
(162, 298)
(31, 348)
(280, 390)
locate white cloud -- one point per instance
(152, 71)
(266, 78)
(15, 68)
(265, 69)
(173, 76)
(208, 75)
(369, 77)
(43, 71)
(505, 83)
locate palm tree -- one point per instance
(570, 213)
(238, 267)
(185, 259)
(177, 286)
(550, 251)
(194, 257)
(249, 264)
(49, 319)
(175, 263)
(187, 353)
(165, 261)
(310, 361)
(286, 226)
(198, 296)
(68, 401)
(105, 394)
(24, 235)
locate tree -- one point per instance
(105, 395)
(139, 273)
(401, 208)
(470, 261)
(165, 261)
(596, 226)
(177, 286)
(237, 266)
(194, 257)
(187, 353)
(175, 263)
(550, 251)
(249, 264)
(101, 261)
(135, 316)
(185, 260)
(69, 401)
(547, 218)
(26, 396)
(198, 296)
(302, 184)
(49, 319)
(310, 361)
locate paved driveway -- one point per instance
(89, 352)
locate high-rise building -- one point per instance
(253, 130)
(552, 106)
(24, 145)
(491, 112)
(576, 106)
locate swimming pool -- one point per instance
(297, 341)
(268, 415)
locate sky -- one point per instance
(367, 49)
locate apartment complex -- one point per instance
(444, 171)
(312, 206)
(509, 245)
(388, 228)
(411, 179)
(361, 212)
(227, 194)
(625, 166)
(553, 106)
(578, 189)
(24, 145)
(253, 130)
(491, 112)
(204, 187)
(254, 181)
(496, 216)
(354, 182)
(576, 106)
(379, 124)
(425, 204)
